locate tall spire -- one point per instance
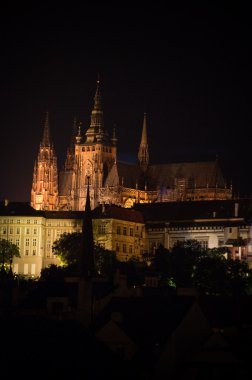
(96, 131)
(87, 254)
(44, 193)
(46, 133)
(69, 162)
(143, 152)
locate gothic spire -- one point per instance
(69, 161)
(143, 152)
(96, 130)
(87, 254)
(46, 133)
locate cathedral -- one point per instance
(92, 158)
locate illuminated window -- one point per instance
(101, 229)
(203, 244)
(33, 267)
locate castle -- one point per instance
(93, 156)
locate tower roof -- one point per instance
(143, 152)
(46, 140)
(96, 131)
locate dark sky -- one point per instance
(187, 66)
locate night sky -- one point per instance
(188, 67)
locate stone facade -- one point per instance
(128, 232)
(93, 153)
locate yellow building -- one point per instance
(121, 230)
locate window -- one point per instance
(118, 230)
(124, 230)
(130, 249)
(203, 244)
(18, 230)
(49, 233)
(27, 231)
(230, 230)
(33, 252)
(11, 230)
(124, 248)
(131, 231)
(117, 247)
(26, 252)
(18, 221)
(35, 221)
(28, 221)
(27, 242)
(17, 242)
(101, 229)
(35, 231)
(25, 268)
(34, 242)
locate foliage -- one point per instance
(210, 274)
(182, 260)
(68, 249)
(211, 271)
(53, 273)
(7, 251)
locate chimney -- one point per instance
(236, 209)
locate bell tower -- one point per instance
(95, 154)
(44, 192)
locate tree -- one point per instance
(68, 249)
(182, 260)
(7, 251)
(210, 274)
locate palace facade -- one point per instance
(93, 154)
(129, 232)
